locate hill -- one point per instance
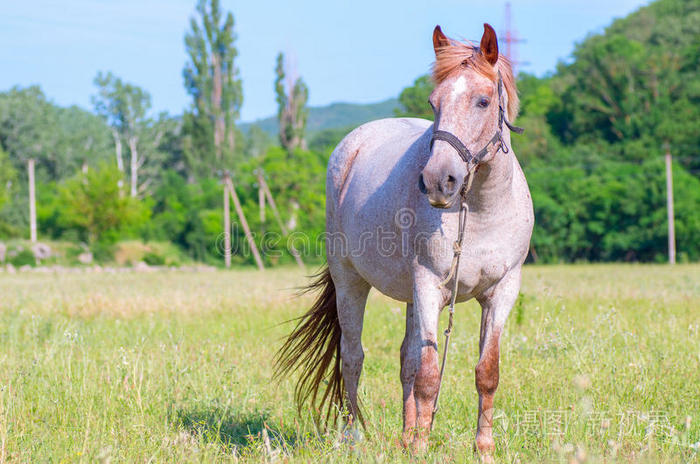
(335, 115)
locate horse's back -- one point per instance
(367, 138)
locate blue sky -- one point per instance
(356, 51)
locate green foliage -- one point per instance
(298, 178)
(93, 205)
(326, 140)
(592, 150)
(414, 99)
(23, 257)
(188, 215)
(639, 83)
(26, 123)
(614, 212)
(122, 105)
(7, 177)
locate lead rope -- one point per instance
(463, 212)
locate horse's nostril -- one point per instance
(421, 185)
(451, 181)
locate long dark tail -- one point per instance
(313, 349)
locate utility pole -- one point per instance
(32, 200)
(510, 38)
(669, 208)
(227, 228)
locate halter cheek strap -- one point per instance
(496, 141)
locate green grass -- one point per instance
(598, 363)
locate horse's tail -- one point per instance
(313, 349)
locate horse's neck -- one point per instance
(493, 182)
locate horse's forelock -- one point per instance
(459, 54)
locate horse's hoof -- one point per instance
(406, 440)
(485, 447)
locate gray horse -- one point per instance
(394, 191)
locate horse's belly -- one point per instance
(384, 266)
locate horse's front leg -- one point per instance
(496, 303)
(419, 362)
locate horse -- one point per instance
(395, 190)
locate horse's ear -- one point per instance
(439, 39)
(489, 44)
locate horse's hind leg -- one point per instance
(351, 297)
(496, 303)
(419, 363)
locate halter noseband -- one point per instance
(496, 141)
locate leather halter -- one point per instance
(496, 141)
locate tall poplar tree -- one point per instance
(292, 96)
(212, 79)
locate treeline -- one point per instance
(592, 151)
(122, 173)
(596, 132)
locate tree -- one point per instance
(414, 99)
(292, 96)
(124, 107)
(93, 204)
(211, 78)
(26, 119)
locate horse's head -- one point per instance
(466, 103)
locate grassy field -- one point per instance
(598, 364)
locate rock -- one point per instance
(11, 269)
(85, 257)
(41, 251)
(142, 267)
(25, 268)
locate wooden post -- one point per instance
(669, 208)
(273, 205)
(32, 200)
(244, 223)
(227, 227)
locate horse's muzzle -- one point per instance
(441, 195)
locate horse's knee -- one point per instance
(428, 375)
(486, 374)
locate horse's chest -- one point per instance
(485, 259)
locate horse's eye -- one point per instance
(483, 102)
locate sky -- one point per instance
(358, 51)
